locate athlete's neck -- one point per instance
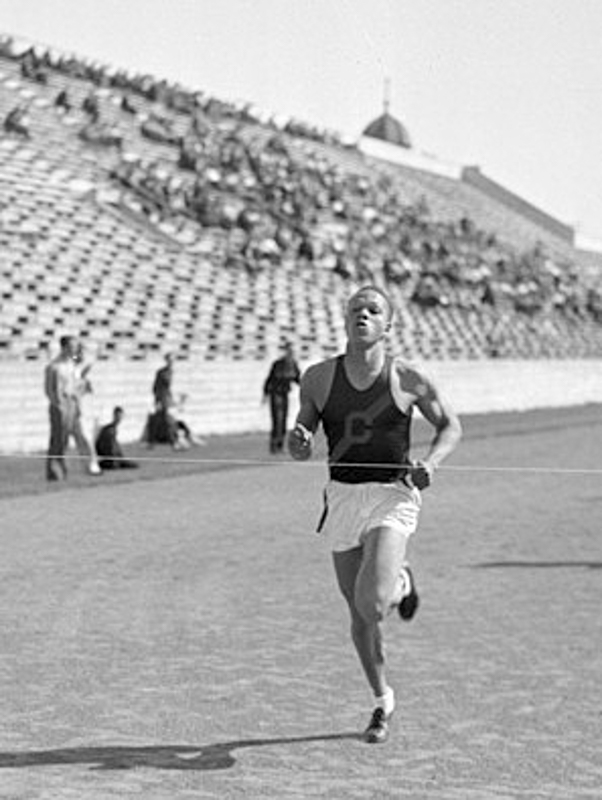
(363, 365)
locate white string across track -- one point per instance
(274, 462)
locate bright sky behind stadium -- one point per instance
(511, 86)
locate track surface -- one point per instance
(182, 637)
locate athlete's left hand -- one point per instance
(421, 474)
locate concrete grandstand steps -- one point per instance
(449, 196)
(159, 282)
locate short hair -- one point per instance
(117, 410)
(66, 340)
(377, 290)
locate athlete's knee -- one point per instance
(372, 607)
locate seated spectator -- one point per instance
(190, 155)
(186, 438)
(160, 428)
(16, 122)
(99, 133)
(127, 105)
(427, 293)
(163, 427)
(397, 270)
(108, 448)
(199, 126)
(528, 298)
(31, 68)
(62, 100)
(91, 107)
(594, 304)
(159, 129)
(6, 47)
(305, 250)
(488, 296)
(344, 266)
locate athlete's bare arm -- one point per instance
(419, 389)
(314, 390)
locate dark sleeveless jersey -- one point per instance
(368, 436)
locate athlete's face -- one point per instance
(368, 317)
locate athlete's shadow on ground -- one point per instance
(186, 757)
(538, 564)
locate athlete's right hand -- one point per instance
(300, 442)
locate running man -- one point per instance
(364, 399)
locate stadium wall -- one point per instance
(413, 158)
(225, 397)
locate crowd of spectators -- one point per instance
(37, 62)
(285, 202)
(277, 198)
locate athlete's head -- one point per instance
(369, 314)
(369, 291)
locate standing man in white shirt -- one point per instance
(62, 385)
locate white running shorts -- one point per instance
(353, 509)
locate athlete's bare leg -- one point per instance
(363, 633)
(368, 578)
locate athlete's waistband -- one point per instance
(352, 474)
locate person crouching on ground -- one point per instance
(108, 448)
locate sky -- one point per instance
(512, 86)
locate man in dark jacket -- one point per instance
(283, 373)
(161, 424)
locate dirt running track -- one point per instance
(183, 638)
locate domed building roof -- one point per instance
(388, 129)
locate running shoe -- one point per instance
(377, 731)
(410, 600)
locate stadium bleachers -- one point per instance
(101, 239)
